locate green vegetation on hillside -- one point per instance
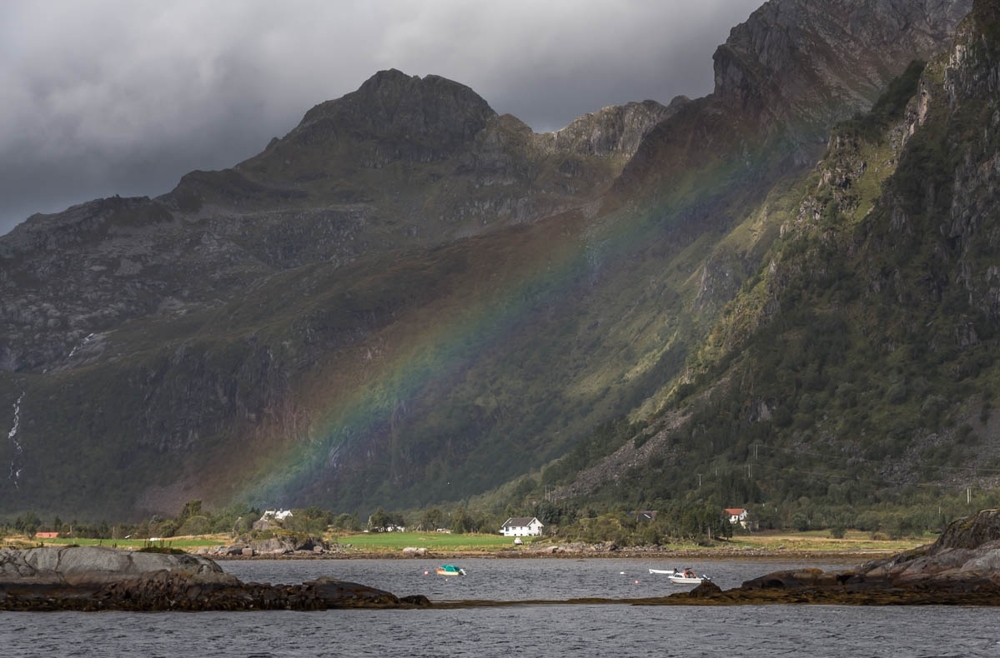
(850, 383)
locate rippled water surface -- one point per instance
(512, 579)
(529, 629)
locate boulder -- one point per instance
(706, 589)
(90, 565)
(347, 594)
(98, 578)
(285, 545)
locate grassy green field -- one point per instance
(394, 542)
(397, 541)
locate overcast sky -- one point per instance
(104, 97)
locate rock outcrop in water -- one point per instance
(961, 567)
(99, 578)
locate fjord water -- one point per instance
(539, 579)
(611, 629)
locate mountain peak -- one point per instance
(395, 106)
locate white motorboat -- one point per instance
(687, 577)
(664, 572)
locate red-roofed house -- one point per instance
(46, 535)
(737, 515)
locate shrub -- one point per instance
(167, 550)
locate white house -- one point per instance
(522, 526)
(271, 518)
(737, 515)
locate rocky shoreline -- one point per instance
(92, 578)
(961, 568)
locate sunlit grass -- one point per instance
(397, 541)
(197, 541)
(820, 541)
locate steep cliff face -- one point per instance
(785, 76)
(782, 79)
(613, 130)
(972, 88)
(862, 349)
(814, 62)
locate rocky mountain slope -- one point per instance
(399, 164)
(857, 361)
(409, 299)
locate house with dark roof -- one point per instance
(522, 526)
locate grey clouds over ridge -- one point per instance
(123, 97)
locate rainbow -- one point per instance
(552, 258)
(441, 351)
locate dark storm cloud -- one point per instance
(123, 97)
